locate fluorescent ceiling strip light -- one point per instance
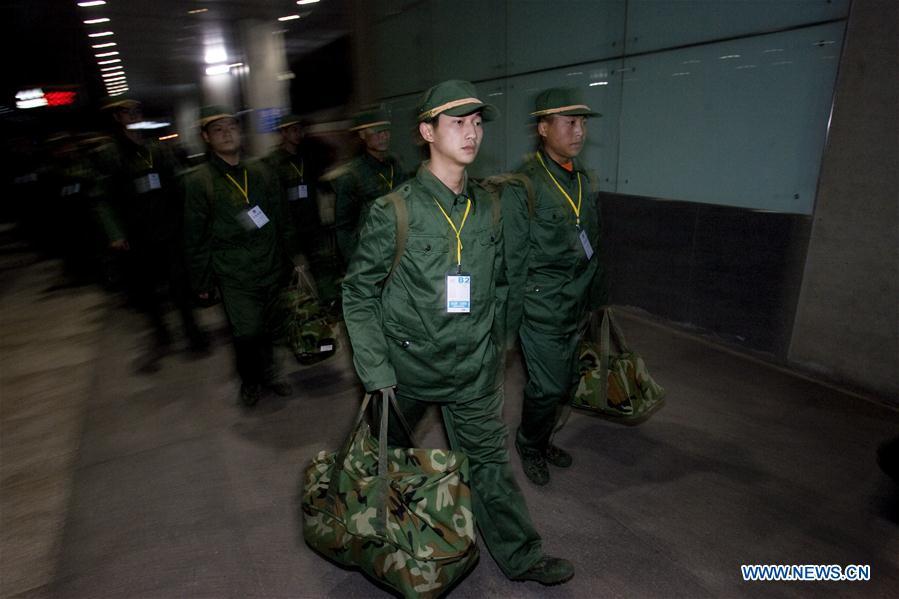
(95, 21)
(289, 18)
(118, 67)
(92, 3)
(100, 34)
(302, 2)
(105, 54)
(106, 45)
(110, 61)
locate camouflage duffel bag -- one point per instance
(614, 384)
(401, 515)
(310, 334)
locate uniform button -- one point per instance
(428, 248)
(406, 344)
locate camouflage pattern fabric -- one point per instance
(628, 378)
(411, 528)
(310, 334)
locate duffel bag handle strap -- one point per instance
(617, 335)
(604, 351)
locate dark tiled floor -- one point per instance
(165, 487)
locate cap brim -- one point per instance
(571, 112)
(375, 127)
(215, 117)
(488, 112)
(124, 103)
(288, 124)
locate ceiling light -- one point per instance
(197, 11)
(216, 54)
(217, 69)
(113, 74)
(302, 2)
(105, 54)
(91, 3)
(118, 67)
(100, 34)
(165, 137)
(106, 45)
(150, 125)
(115, 80)
(110, 61)
(595, 83)
(95, 21)
(289, 18)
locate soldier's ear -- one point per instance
(361, 133)
(205, 135)
(426, 130)
(542, 127)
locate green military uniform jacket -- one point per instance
(552, 283)
(221, 244)
(359, 183)
(401, 332)
(129, 205)
(296, 177)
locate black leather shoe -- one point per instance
(549, 571)
(250, 394)
(534, 464)
(557, 456)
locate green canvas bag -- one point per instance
(310, 334)
(401, 515)
(614, 384)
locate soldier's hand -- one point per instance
(120, 245)
(203, 296)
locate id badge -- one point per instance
(148, 182)
(458, 293)
(302, 192)
(257, 217)
(585, 242)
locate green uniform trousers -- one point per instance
(475, 428)
(256, 324)
(551, 362)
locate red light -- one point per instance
(60, 98)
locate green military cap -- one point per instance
(377, 119)
(212, 113)
(113, 102)
(454, 98)
(561, 100)
(289, 119)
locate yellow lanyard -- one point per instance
(149, 159)
(299, 170)
(458, 231)
(389, 182)
(577, 209)
(245, 190)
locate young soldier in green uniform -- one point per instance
(373, 173)
(552, 247)
(298, 176)
(139, 208)
(429, 327)
(237, 239)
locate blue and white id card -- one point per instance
(458, 293)
(148, 182)
(585, 243)
(297, 192)
(257, 217)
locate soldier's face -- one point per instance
(292, 134)
(457, 138)
(376, 142)
(223, 136)
(563, 136)
(128, 115)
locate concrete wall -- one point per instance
(847, 321)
